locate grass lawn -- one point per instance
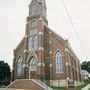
(82, 86)
(63, 88)
(79, 87)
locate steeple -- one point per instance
(43, 2)
(38, 8)
(43, 8)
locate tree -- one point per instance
(4, 73)
(86, 66)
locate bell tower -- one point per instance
(36, 21)
(34, 36)
(37, 9)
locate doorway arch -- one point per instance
(33, 68)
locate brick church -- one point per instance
(42, 54)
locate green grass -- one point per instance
(63, 88)
(82, 86)
(79, 87)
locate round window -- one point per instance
(34, 23)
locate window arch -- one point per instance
(59, 66)
(19, 66)
(36, 42)
(33, 64)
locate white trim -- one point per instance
(40, 48)
(25, 36)
(40, 19)
(66, 49)
(43, 64)
(58, 50)
(25, 50)
(50, 65)
(67, 64)
(50, 52)
(50, 42)
(40, 33)
(39, 64)
(29, 56)
(50, 32)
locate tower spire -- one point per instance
(38, 7)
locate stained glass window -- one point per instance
(58, 58)
(19, 66)
(30, 43)
(36, 42)
(34, 11)
(33, 64)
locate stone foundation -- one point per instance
(62, 83)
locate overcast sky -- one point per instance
(13, 15)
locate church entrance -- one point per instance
(33, 69)
(33, 75)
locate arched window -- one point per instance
(34, 10)
(59, 68)
(36, 42)
(30, 43)
(33, 64)
(19, 66)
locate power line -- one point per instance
(73, 26)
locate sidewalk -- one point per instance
(86, 87)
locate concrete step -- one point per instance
(26, 84)
(43, 84)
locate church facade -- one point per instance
(42, 54)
